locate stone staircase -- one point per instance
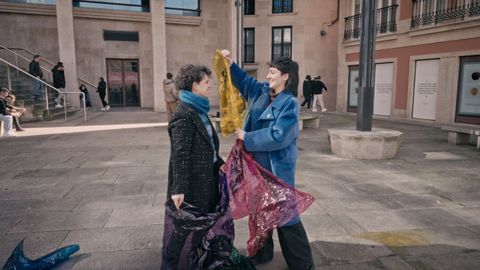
(21, 87)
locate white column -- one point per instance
(66, 45)
(159, 47)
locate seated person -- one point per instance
(14, 111)
(5, 116)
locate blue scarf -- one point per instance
(202, 106)
(199, 103)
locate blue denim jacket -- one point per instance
(271, 126)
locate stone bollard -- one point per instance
(354, 144)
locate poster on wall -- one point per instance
(425, 89)
(353, 79)
(382, 103)
(469, 90)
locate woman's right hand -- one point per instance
(178, 200)
(226, 54)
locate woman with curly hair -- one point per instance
(193, 175)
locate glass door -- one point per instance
(123, 82)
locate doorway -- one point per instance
(123, 82)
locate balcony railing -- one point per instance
(386, 22)
(433, 12)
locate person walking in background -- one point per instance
(171, 95)
(270, 133)
(15, 112)
(307, 91)
(5, 116)
(35, 70)
(58, 74)
(102, 92)
(83, 89)
(318, 87)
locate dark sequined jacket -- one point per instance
(191, 168)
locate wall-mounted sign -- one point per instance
(425, 89)
(469, 89)
(382, 103)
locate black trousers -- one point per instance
(308, 101)
(102, 98)
(295, 248)
(16, 123)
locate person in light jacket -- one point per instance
(171, 95)
(270, 133)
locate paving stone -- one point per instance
(381, 221)
(445, 262)
(342, 253)
(372, 189)
(68, 172)
(116, 202)
(117, 260)
(61, 221)
(471, 214)
(431, 218)
(44, 193)
(136, 217)
(27, 205)
(102, 190)
(117, 239)
(131, 170)
(7, 222)
(321, 225)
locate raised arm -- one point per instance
(276, 137)
(248, 86)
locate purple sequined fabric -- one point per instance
(196, 240)
(266, 199)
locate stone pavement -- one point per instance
(102, 184)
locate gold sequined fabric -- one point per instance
(232, 104)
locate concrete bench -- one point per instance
(306, 120)
(460, 134)
(309, 121)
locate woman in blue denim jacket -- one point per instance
(270, 133)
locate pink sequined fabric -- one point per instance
(266, 199)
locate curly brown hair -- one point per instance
(189, 74)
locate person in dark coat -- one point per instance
(194, 166)
(58, 74)
(36, 71)
(307, 91)
(102, 92)
(84, 90)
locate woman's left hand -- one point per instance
(240, 134)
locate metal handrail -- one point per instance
(51, 86)
(45, 60)
(21, 56)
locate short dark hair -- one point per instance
(308, 77)
(189, 74)
(5, 89)
(36, 56)
(290, 67)
(169, 75)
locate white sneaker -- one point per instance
(324, 110)
(58, 106)
(103, 109)
(314, 110)
(107, 107)
(9, 134)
